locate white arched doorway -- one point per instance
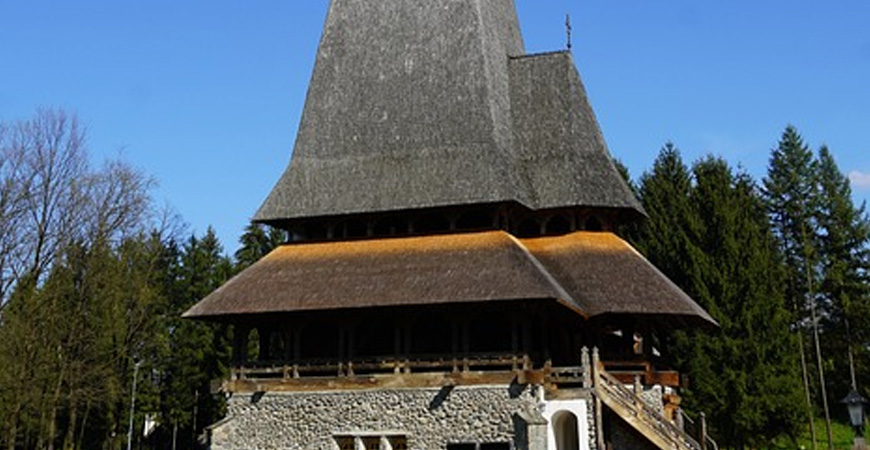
(565, 431)
(568, 424)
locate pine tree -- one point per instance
(843, 244)
(666, 237)
(751, 349)
(791, 196)
(257, 241)
(199, 351)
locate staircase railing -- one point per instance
(693, 428)
(644, 417)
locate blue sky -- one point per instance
(206, 95)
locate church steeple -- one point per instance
(418, 105)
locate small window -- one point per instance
(399, 443)
(372, 443)
(345, 442)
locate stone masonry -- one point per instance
(428, 418)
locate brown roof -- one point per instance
(606, 275)
(590, 273)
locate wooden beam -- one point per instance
(411, 380)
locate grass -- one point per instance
(843, 435)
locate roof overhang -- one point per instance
(594, 274)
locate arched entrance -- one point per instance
(565, 430)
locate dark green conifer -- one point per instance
(666, 237)
(752, 350)
(257, 241)
(844, 235)
(199, 351)
(791, 196)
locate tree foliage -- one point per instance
(764, 262)
(843, 241)
(91, 287)
(256, 242)
(708, 232)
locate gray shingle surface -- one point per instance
(561, 149)
(424, 104)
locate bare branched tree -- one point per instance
(118, 203)
(44, 177)
(13, 189)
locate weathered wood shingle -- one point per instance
(418, 104)
(592, 274)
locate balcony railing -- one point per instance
(387, 365)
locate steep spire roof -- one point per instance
(417, 104)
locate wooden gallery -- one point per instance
(453, 278)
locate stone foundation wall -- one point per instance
(429, 418)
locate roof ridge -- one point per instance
(566, 299)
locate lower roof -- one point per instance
(591, 273)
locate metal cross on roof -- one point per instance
(568, 29)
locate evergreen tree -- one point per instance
(666, 237)
(751, 351)
(843, 244)
(791, 196)
(199, 351)
(257, 241)
(712, 238)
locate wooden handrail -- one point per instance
(624, 401)
(711, 444)
(614, 389)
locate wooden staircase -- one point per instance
(645, 419)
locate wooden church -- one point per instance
(452, 278)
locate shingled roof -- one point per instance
(420, 104)
(592, 274)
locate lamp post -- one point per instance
(133, 405)
(855, 403)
